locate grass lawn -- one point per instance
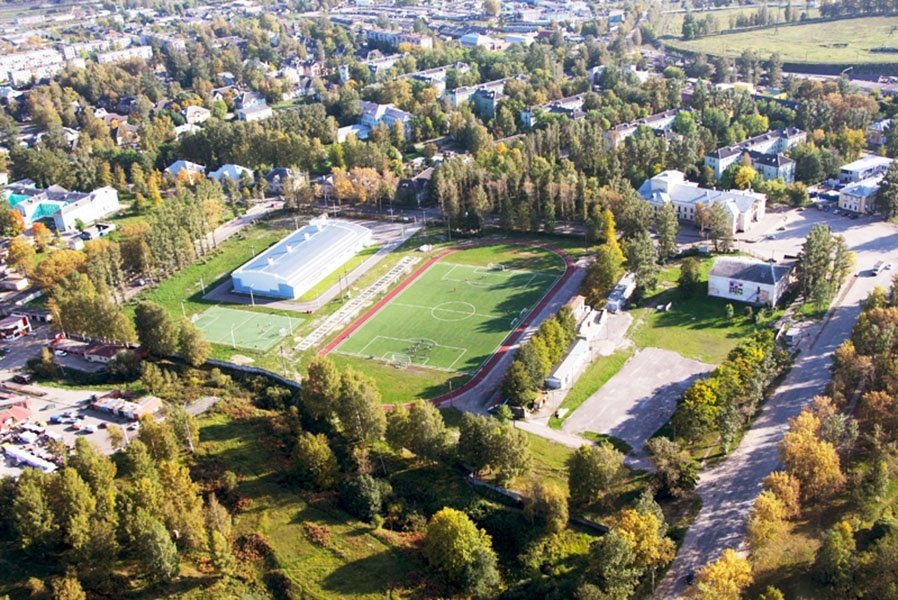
(455, 315)
(696, 325)
(671, 24)
(592, 380)
(356, 562)
(212, 269)
(846, 41)
(334, 277)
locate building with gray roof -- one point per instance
(743, 207)
(765, 152)
(748, 280)
(301, 260)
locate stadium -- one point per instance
(301, 260)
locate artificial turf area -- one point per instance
(244, 329)
(455, 315)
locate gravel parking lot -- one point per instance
(639, 399)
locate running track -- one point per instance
(510, 340)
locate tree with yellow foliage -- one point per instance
(787, 489)
(815, 463)
(723, 579)
(644, 531)
(767, 519)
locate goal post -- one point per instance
(495, 267)
(399, 359)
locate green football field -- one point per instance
(453, 317)
(243, 328)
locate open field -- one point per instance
(671, 24)
(847, 41)
(244, 329)
(455, 315)
(696, 325)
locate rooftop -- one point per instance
(749, 270)
(292, 258)
(868, 162)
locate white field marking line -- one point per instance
(446, 275)
(521, 319)
(457, 349)
(461, 312)
(424, 364)
(507, 271)
(458, 358)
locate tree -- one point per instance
(787, 489)
(517, 385)
(222, 557)
(642, 259)
(420, 428)
(359, 409)
(156, 329)
(690, 275)
(161, 442)
(724, 579)
(33, 515)
(602, 275)
(155, 548)
(767, 519)
(547, 504)
(68, 588)
(314, 462)
(667, 226)
(41, 234)
(745, 177)
(675, 469)
(771, 593)
(488, 443)
(193, 344)
(491, 8)
(813, 462)
(75, 506)
(592, 471)
(321, 389)
(21, 254)
(814, 266)
(183, 426)
(775, 66)
(57, 267)
(611, 567)
(697, 412)
(645, 532)
(721, 227)
(364, 496)
(11, 221)
(887, 199)
(834, 564)
(453, 545)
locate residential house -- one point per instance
(744, 208)
(14, 326)
(194, 115)
(571, 107)
(765, 152)
(279, 178)
(126, 54)
(373, 115)
(876, 132)
(659, 123)
(860, 196)
(193, 170)
(748, 280)
(436, 76)
(230, 171)
(396, 38)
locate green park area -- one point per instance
(670, 24)
(696, 325)
(846, 41)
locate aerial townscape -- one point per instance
(429, 299)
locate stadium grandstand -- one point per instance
(301, 260)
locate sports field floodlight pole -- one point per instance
(183, 312)
(252, 299)
(233, 343)
(203, 285)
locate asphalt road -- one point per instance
(729, 489)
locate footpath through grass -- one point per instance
(596, 375)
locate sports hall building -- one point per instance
(301, 260)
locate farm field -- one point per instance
(455, 315)
(846, 41)
(671, 24)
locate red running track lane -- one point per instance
(507, 344)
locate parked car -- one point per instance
(60, 353)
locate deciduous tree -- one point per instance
(592, 471)
(156, 329)
(724, 579)
(420, 429)
(314, 462)
(460, 553)
(193, 344)
(321, 389)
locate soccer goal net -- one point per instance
(399, 360)
(496, 267)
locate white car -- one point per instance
(61, 353)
